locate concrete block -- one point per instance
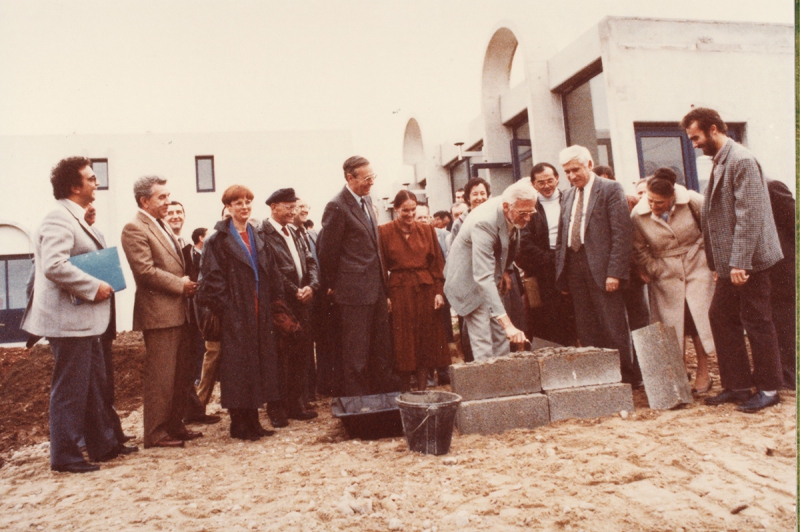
(663, 371)
(514, 374)
(572, 367)
(492, 416)
(590, 401)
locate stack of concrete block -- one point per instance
(531, 389)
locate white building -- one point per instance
(621, 90)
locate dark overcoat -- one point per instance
(248, 369)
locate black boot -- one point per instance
(255, 425)
(239, 426)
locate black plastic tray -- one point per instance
(369, 417)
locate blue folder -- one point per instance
(102, 264)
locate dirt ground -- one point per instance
(697, 468)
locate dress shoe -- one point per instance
(188, 435)
(166, 442)
(76, 467)
(118, 450)
(310, 406)
(704, 389)
(302, 415)
(279, 422)
(729, 396)
(759, 401)
(205, 419)
(125, 438)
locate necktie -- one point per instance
(512, 247)
(575, 235)
(285, 231)
(366, 209)
(171, 238)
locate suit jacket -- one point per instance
(158, 269)
(535, 256)
(477, 260)
(608, 233)
(349, 260)
(283, 258)
(191, 258)
(62, 303)
(783, 273)
(738, 225)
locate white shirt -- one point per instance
(587, 191)
(292, 247)
(552, 212)
(364, 206)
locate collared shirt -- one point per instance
(552, 212)
(292, 247)
(162, 227)
(587, 191)
(358, 199)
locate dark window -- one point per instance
(204, 169)
(667, 145)
(521, 153)
(459, 175)
(100, 167)
(14, 273)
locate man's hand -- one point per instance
(514, 335)
(505, 283)
(104, 292)
(738, 276)
(304, 295)
(389, 304)
(189, 286)
(438, 302)
(612, 284)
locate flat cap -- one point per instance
(282, 195)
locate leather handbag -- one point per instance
(532, 293)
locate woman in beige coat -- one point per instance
(668, 247)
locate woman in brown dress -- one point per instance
(414, 263)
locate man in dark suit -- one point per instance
(192, 253)
(593, 254)
(161, 313)
(742, 246)
(554, 319)
(352, 274)
(782, 275)
(73, 309)
(300, 280)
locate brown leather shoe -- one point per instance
(166, 442)
(189, 435)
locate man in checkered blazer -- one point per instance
(741, 245)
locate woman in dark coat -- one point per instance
(239, 281)
(414, 261)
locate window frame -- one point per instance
(108, 177)
(197, 160)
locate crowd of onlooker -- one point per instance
(279, 314)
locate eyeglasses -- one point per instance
(524, 213)
(241, 203)
(368, 178)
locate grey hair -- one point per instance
(575, 152)
(521, 190)
(143, 187)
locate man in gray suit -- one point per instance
(593, 254)
(478, 269)
(72, 309)
(742, 246)
(352, 275)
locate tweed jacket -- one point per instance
(349, 258)
(63, 296)
(738, 226)
(477, 259)
(158, 269)
(608, 234)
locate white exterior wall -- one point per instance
(310, 162)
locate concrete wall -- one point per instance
(308, 161)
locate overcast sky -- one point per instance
(207, 66)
